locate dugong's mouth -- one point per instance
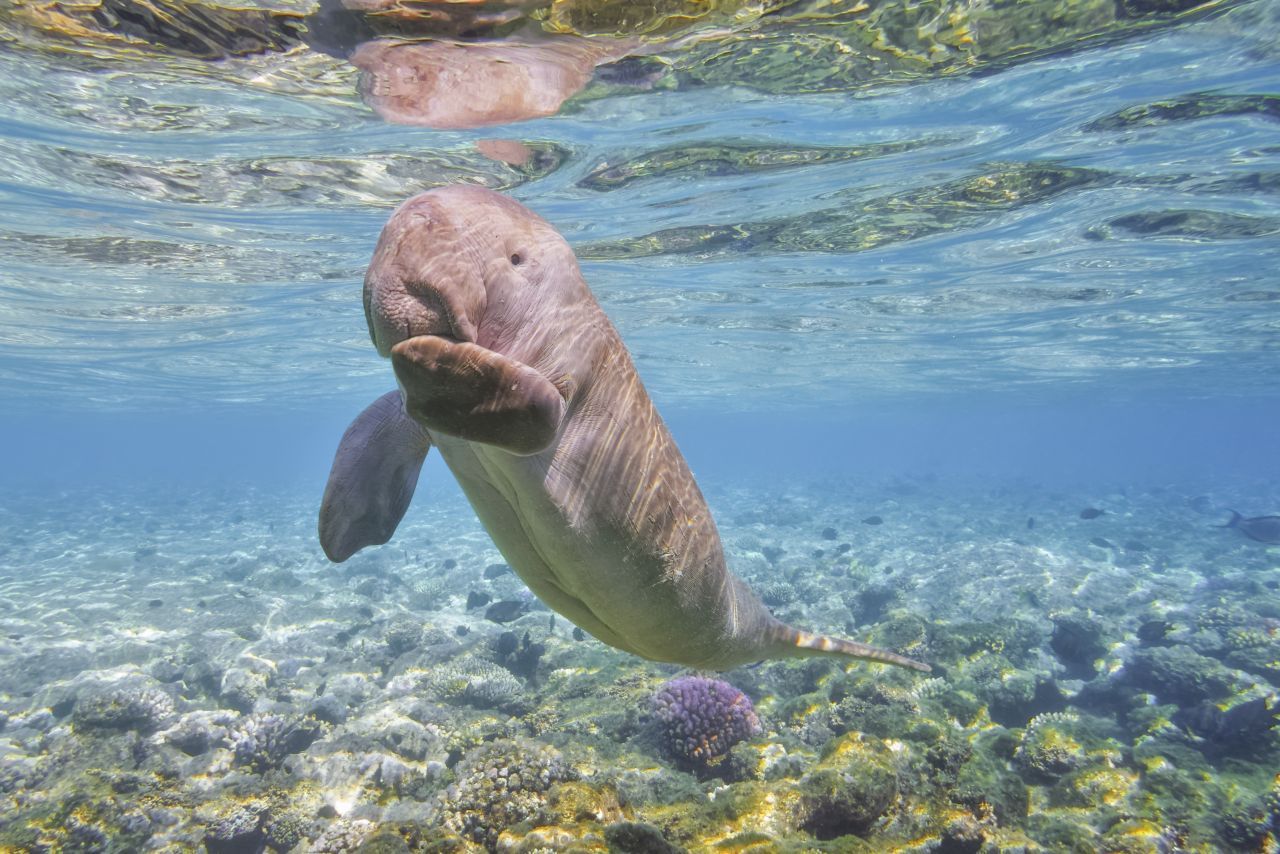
(401, 315)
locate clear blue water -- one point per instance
(1053, 293)
(167, 253)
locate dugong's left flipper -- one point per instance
(373, 477)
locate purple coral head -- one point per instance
(702, 719)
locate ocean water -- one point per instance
(966, 318)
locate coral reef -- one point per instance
(475, 682)
(263, 741)
(702, 719)
(501, 784)
(1046, 751)
(319, 719)
(850, 794)
(142, 709)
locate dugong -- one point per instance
(507, 364)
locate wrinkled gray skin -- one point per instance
(508, 365)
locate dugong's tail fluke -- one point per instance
(803, 642)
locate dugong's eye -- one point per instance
(516, 259)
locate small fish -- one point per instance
(505, 611)
(1031, 522)
(1136, 546)
(496, 570)
(641, 73)
(508, 642)
(1102, 543)
(579, 634)
(872, 520)
(1152, 632)
(1264, 529)
(1091, 513)
(1236, 731)
(1203, 719)
(477, 599)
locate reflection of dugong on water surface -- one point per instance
(466, 64)
(508, 365)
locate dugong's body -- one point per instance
(508, 365)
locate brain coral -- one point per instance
(702, 719)
(500, 784)
(142, 709)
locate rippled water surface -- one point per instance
(1098, 211)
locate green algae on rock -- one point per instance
(1194, 225)
(721, 158)
(913, 214)
(853, 786)
(1048, 750)
(1189, 108)
(849, 44)
(1179, 675)
(613, 18)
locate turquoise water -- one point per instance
(173, 241)
(967, 302)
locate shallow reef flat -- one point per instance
(182, 670)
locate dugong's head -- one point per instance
(467, 264)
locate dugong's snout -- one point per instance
(396, 313)
(422, 280)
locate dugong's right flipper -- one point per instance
(373, 477)
(473, 393)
